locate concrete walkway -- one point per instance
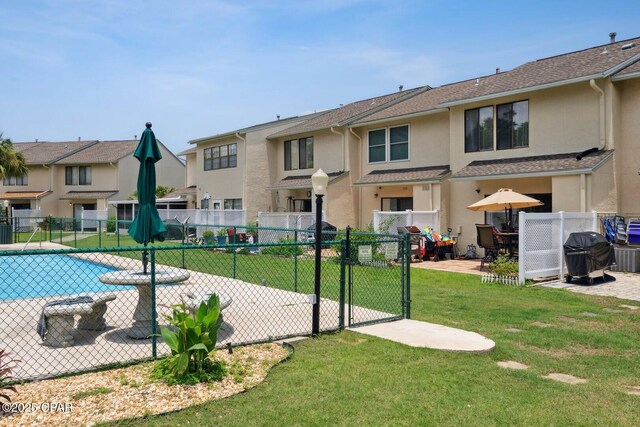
(428, 335)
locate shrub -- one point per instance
(45, 224)
(504, 267)
(207, 234)
(111, 224)
(285, 249)
(7, 365)
(191, 340)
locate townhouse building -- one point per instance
(562, 129)
(67, 177)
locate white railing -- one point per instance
(288, 220)
(389, 221)
(541, 239)
(90, 220)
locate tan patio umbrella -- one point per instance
(507, 199)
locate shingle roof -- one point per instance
(342, 115)
(595, 61)
(181, 192)
(390, 176)
(49, 152)
(631, 69)
(80, 195)
(102, 152)
(24, 195)
(554, 164)
(188, 151)
(421, 102)
(299, 182)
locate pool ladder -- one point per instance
(31, 237)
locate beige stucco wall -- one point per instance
(463, 193)
(601, 190)
(627, 154)
(191, 169)
(327, 154)
(428, 143)
(38, 180)
(340, 208)
(428, 146)
(561, 120)
(224, 183)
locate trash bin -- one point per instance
(6, 234)
(587, 255)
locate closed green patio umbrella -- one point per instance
(147, 225)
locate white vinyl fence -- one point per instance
(288, 220)
(389, 221)
(541, 239)
(26, 219)
(212, 217)
(89, 219)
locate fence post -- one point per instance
(343, 266)
(60, 231)
(521, 253)
(409, 219)
(295, 262)
(235, 252)
(561, 251)
(376, 220)
(154, 339)
(183, 231)
(407, 296)
(99, 233)
(75, 233)
(117, 233)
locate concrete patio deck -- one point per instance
(258, 313)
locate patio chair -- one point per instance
(488, 241)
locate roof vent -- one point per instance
(497, 70)
(278, 116)
(79, 139)
(612, 37)
(628, 46)
(477, 82)
(400, 88)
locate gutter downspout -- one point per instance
(583, 193)
(117, 179)
(595, 87)
(50, 183)
(360, 172)
(244, 173)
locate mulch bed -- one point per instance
(130, 392)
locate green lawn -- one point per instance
(351, 379)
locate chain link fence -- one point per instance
(76, 309)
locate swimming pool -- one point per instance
(31, 276)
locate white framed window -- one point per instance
(388, 144)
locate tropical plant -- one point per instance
(12, 162)
(7, 365)
(191, 340)
(222, 232)
(207, 234)
(162, 191)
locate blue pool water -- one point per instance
(32, 276)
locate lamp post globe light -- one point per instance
(319, 182)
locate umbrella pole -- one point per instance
(145, 260)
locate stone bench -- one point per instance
(194, 299)
(60, 319)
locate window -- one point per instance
(21, 180)
(478, 129)
(233, 204)
(512, 125)
(396, 203)
(77, 175)
(221, 157)
(298, 154)
(397, 149)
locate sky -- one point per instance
(100, 69)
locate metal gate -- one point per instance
(376, 277)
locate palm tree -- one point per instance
(12, 162)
